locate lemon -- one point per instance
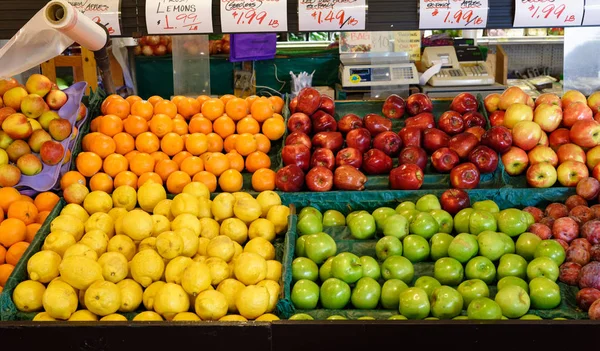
(119, 225)
(170, 300)
(188, 221)
(150, 293)
(278, 215)
(202, 246)
(125, 197)
(150, 194)
(161, 224)
(96, 240)
(114, 266)
(240, 194)
(75, 211)
(169, 245)
(115, 317)
(81, 298)
(80, 271)
(267, 317)
(81, 250)
(204, 208)
(219, 270)
(199, 258)
(147, 267)
(43, 266)
(262, 228)
(147, 316)
(262, 247)
(247, 209)
(58, 241)
(185, 203)
(190, 242)
(273, 270)
(69, 224)
(163, 208)
(122, 244)
(230, 288)
(43, 317)
(274, 290)
(131, 295)
(103, 298)
(232, 318)
(238, 251)
(83, 316)
(252, 301)
(221, 247)
(235, 229)
(147, 244)
(266, 200)
(222, 206)
(196, 278)
(231, 266)
(175, 268)
(211, 305)
(209, 228)
(197, 189)
(250, 268)
(97, 201)
(102, 222)
(186, 316)
(115, 213)
(28, 295)
(60, 299)
(137, 224)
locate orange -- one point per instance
(115, 164)
(12, 231)
(126, 178)
(171, 144)
(263, 179)
(88, 163)
(149, 176)
(178, 116)
(142, 109)
(231, 181)
(165, 107)
(23, 210)
(236, 108)
(165, 167)
(9, 195)
(5, 271)
(147, 142)
(208, 179)
(124, 143)
(180, 126)
(135, 125)
(154, 99)
(159, 156)
(250, 100)
(188, 107)
(217, 163)
(46, 201)
(262, 143)
(14, 253)
(256, 161)
(94, 124)
(67, 179)
(101, 182)
(41, 217)
(32, 230)
(248, 125)
(103, 146)
(88, 140)
(277, 103)
(261, 110)
(273, 128)
(108, 100)
(141, 163)
(130, 154)
(213, 109)
(202, 99)
(110, 125)
(197, 143)
(229, 142)
(27, 199)
(236, 161)
(177, 99)
(192, 165)
(181, 156)
(278, 116)
(200, 125)
(132, 99)
(226, 98)
(215, 142)
(161, 124)
(245, 144)
(118, 107)
(2, 254)
(177, 181)
(224, 126)
(204, 157)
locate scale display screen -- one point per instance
(374, 74)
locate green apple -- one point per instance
(409, 214)
(460, 318)
(398, 267)
(333, 218)
(526, 245)
(531, 317)
(334, 294)
(396, 225)
(414, 303)
(397, 317)
(370, 267)
(390, 293)
(320, 247)
(388, 246)
(544, 293)
(444, 220)
(529, 217)
(427, 203)
(362, 226)
(325, 269)
(484, 308)
(380, 215)
(512, 280)
(542, 267)
(513, 301)
(406, 205)
(463, 247)
(353, 214)
(448, 271)
(427, 283)
(336, 317)
(512, 222)
(300, 250)
(366, 294)
(509, 243)
(346, 266)
(424, 225)
(512, 265)
(486, 205)
(310, 210)
(472, 289)
(304, 268)
(301, 317)
(305, 294)
(439, 245)
(309, 224)
(366, 318)
(446, 302)
(461, 220)
(480, 221)
(415, 248)
(552, 249)
(490, 245)
(481, 268)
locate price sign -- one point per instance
(592, 13)
(331, 15)
(548, 13)
(178, 16)
(445, 14)
(248, 16)
(105, 12)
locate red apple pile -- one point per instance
(154, 45)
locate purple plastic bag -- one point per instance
(251, 47)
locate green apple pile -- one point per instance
(485, 265)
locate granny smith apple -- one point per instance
(542, 267)
(390, 293)
(310, 210)
(512, 222)
(320, 247)
(336, 317)
(463, 247)
(484, 308)
(347, 267)
(424, 225)
(366, 294)
(415, 248)
(380, 215)
(414, 303)
(471, 290)
(461, 220)
(526, 245)
(448, 271)
(512, 280)
(406, 205)
(309, 224)
(370, 267)
(397, 317)
(396, 225)
(431, 319)
(444, 220)
(512, 265)
(334, 294)
(427, 203)
(398, 267)
(362, 226)
(305, 294)
(552, 249)
(427, 283)
(480, 221)
(531, 317)
(304, 268)
(325, 269)
(490, 245)
(481, 268)
(439, 244)
(301, 317)
(544, 293)
(529, 217)
(409, 214)
(513, 301)
(509, 243)
(460, 318)
(353, 214)
(300, 250)
(333, 218)
(388, 246)
(446, 302)
(486, 205)
(365, 318)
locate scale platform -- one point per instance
(452, 91)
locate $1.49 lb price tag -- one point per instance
(248, 16)
(331, 15)
(105, 12)
(444, 14)
(178, 16)
(548, 13)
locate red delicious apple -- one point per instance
(388, 142)
(541, 230)
(484, 158)
(463, 144)
(591, 231)
(298, 138)
(548, 117)
(298, 155)
(360, 139)
(512, 95)
(394, 107)
(565, 228)
(541, 175)
(323, 122)
(590, 276)
(329, 140)
(548, 98)
(451, 123)
(418, 103)
(581, 214)
(477, 131)
(577, 111)
(464, 102)
(473, 119)
(491, 102)
(434, 139)
(349, 122)
(319, 179)
(541, 154)
(52, 152)
(454, 200)
(559, 137)
(406, 177)
(498, 138)
(299, 122)
(376, 162)
(571, 172)
(569, 273)
(327, 105)
(464, 176)
(585, 133)
(322, 157)
(570, 152)
(497, 118)
(411, 136)
(556, 210)
(586, 297)
(526, 135)
(588, 188)
(309, 100)
(376, 124)
(515, 161)
(289, 178)
(349, 156)
(349, 178)
(595, 252)
(422, 121)
(444, 159)
(413, 155)
(535, 212)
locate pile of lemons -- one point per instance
(188, 258)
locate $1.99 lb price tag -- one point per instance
(331, 15)
(105, 12)
(248, 16)
(178, 16)
(548, 13)
(444, 14)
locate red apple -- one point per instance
(454, 200)
(592, 157)
(376, 162)
(418, 103)
(323, 122)
(556, 210)
(541, 175)
(349, 178)
(309, 100)
(473, 119)
(294, 105)
(559, 137)
(464, 176)
(298, 155)
(588, 188)
(319, 179)
(570, 152)
(548, 117)
(526, 135)
(548, 98)
(413, 155)
(477, 131)
(394, 107)
(406, 177)
(451, 123)
(376, 124)
(515, 161)
(434, 139)
(299, 122)
(569, 273)
(572, 96)
(298, 138)
(327, 105)
(444, 159)
(359, 138)
(484, 158)
(498, 138)
(574, 201)
(596, 172)
(586, 297)
(585, 133)
(497, 118)
(56, 99)
(411, 136)
(322, 157)
(593, 102)
(542, 154)
(541, 230)
(388, 142)
(52, 152)
(571, 172)
(329, 140)
(349, 156)
(289, 178)
(422, 121)
(517, 113)
(349, 122)
(512, 95)
(565, 228)
(491, 102)
(577, 111)
(463, 103)
(463, 144)
(544, 140)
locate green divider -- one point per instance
(285, 308)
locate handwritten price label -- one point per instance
(444, 14)
(548, 13)
(592, 13)
(178, 16)
(105, 12)
(248, 16)
(331, 15)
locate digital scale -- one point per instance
(364, 70)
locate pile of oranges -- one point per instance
(174, 142)
(20, 219)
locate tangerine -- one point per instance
(135, 125)
(24, 211)
(147, 142)
(141, 163)
(245, 144)
(214, 142)
(231, 181)
(273, 128)
(115, 164)
(126, 178)
(213, 109)
(197, 143)
(181, 156)
(88, 163)
(256, 161)
(192, 165)
(208, 179)
(8, 195)
(165, 107)
(46, 201)
(277, 103)
(171, 144)
(149, 176)
(177, 181)
(161, 124)
(142, 109)
(237, 108)
(248, 125)
(165, 167)
(67, 179)
(110, 125)
(263, 179)
(217, 163)
(224, 126)
(188, 107)
(101, 182)
(103, 145)
(236, 161)
(124, 143)
(154, 99)
(200, 124)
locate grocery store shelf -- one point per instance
(557, 39)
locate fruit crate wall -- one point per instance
(523, 56)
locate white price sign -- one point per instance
(331, 15)
(548, 13)
(178, 17)
(250, 16)
(105, 12)
(444, 14)
(592, 13)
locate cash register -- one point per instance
(447, 70)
